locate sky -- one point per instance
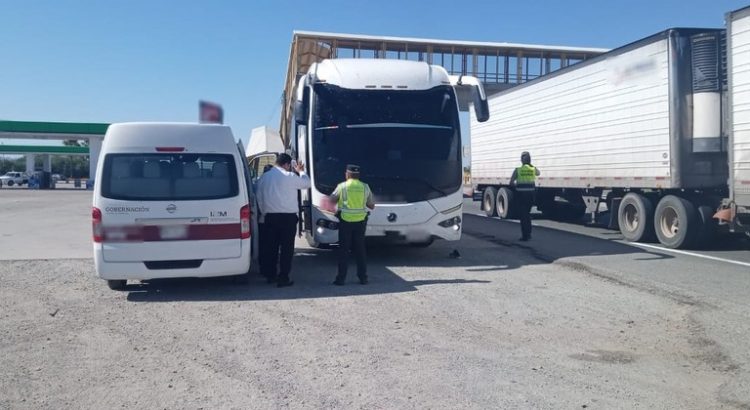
(113, 61)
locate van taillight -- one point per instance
(96, 225)
(245, 222)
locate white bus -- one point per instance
(397, 120)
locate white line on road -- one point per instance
(697, 255)
(644, 245)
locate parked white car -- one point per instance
(14, 178)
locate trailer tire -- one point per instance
(504, 204)
(488, 201)
(636, 218)
(676, 222)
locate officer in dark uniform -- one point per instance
(353, 198)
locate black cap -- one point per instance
(526, 157)
(352, 168)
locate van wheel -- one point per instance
(117, 284)
(488, 201)
(10, 183)
(676, 222)
(636, 218)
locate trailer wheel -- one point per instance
(504, 204)
(676, 222)
(488, 201)
(635, 217)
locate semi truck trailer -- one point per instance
(658, 129)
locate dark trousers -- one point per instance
(525, 201)
(277, 239)
(352, 238)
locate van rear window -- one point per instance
(169, 177)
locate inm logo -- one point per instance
(171, 208)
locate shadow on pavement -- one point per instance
(550, 244)
(313, 272)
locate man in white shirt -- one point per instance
(277, 203)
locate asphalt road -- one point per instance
(722, 272)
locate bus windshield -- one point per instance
(407, 142)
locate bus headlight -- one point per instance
(454, 222)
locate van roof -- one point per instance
(146, 136)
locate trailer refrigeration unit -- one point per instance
(645, 127)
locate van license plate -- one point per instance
(173, 232)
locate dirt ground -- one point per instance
(492, 329)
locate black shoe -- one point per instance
(525, 239)
(338, 282)
(271, 279)
(285, 284)
(363, 281)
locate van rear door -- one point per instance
(170, 206)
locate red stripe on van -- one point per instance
(152, 233)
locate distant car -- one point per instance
(58, 178)
(14, 178)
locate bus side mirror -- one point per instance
(481, 107)
(301, 107)
(300, 114)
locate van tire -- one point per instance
(117, 284)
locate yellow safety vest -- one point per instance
(525, 178)
(353, 200)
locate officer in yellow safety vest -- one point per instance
(353, 198)
(524, 180)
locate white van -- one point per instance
(170, 200)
